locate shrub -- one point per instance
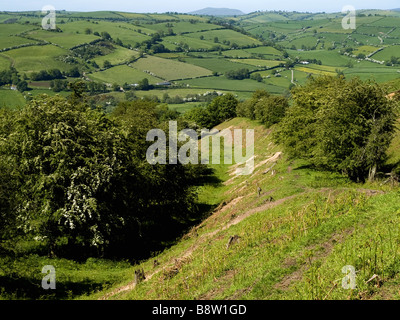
(339, 125)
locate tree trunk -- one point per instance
(372, 173)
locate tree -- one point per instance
(247, 108)
(116, 87)
(339, 125)
(257, 77)
(105, 35)
(73, 73)
(271, 110)
(219, 110)
(144, 84)
(22, 86)
(77, 183)
(240, 74)
(107, 64)
(223, 108)
(58, 85)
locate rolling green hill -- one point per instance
(217, 12)
(186, 46)
(293, 238)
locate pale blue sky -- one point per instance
(186, 6)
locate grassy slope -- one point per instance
(291, 248)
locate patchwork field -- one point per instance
(120, 55)
(192, 43)
(182, 27)
(329, 58)
(227, 35)
(123, 74)
(387, 53)
(170, 69)
(63, 39)
(258, 62)
(222, 83)
(37, 58)
(195, 48)
(220, 64)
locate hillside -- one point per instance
(218, 12)
(288, 240)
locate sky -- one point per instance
(182, 6)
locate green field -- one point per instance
(258, 62)
(237, 53)
(372, 71)
(269, 51)
(169, 69)
(366, 50)
(124, 31)
(9, 35)
(222, 83)
(329, 58)
(200, 48)
(184, 27)
(387, 53)
(227, 35)
(63, 39)
(308, 41)
(12, 41)
(120, 55)
(123, 74)
(5, 62)
(38, 58)
(194, 43)
(220, 64)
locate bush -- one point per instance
(238, 74)
(271, 110)
(340, 126)
(219, 110)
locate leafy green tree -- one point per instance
(238, 74)
(77, 182)
(106, 36)
(271, 110)
(116, 87)
(107, 64)
(223, 108)
(246, 109)
(144, 84)
(22, 86)
(219, 110)
(74, 72)
(66, 160)
(257, 77)
(339, 125)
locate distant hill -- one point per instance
(218, 12)
(398, 9)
